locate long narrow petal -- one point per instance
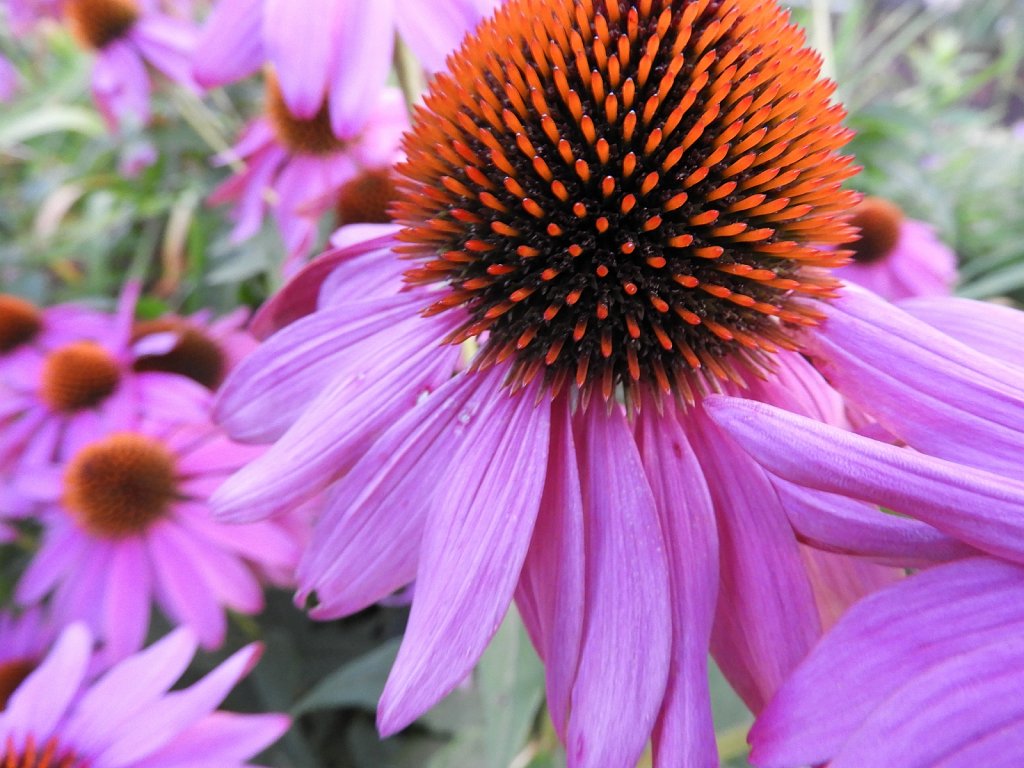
(230, 46)
(685, 735)
(434, 29)
(627, 634)
(879, 646)
(846, 526)
(767, 618)
(474, 544)
(551, 588)
(977, 507)
(936, 394)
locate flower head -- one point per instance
(126, 35)
(57, 718)
(896, 257)
(126, 525)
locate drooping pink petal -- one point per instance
(302, 44)
(881, 645)
(168, 44)
(219, 740)
(300, 296)
(127, 603)
(230, 46)
(685, 735)
(994, 329)
(936, 394)
(846, 526)
(767, 618)
(365, 43)
(551, 587)
(120, 85)
(979, 508)
(478, 530)
(839, 581)
(627, 632)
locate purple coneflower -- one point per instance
(332, 56)
(129, 718)
(126, 35)
(897, 257)
(127, 525)
(298, 169)
(613, 211)
(925, 673)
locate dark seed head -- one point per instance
(879, 223)
(77, 376)
(195, 355)
(20, 322)
(312, 136)
(98, 23)
(627, 192)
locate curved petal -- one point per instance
(627, 631)
(365, 43)
(477, 533)
(977, 507)
(993, 329)
(433, 30)
(551, 587)
(936, 394)
(301, 42)
(685, 735)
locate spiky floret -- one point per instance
(98, 23)
(120, 485)
(634, 192)
(33, 754)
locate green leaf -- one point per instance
(357, 683)
(52, 118)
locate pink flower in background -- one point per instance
(297, 170)
(24, 14)
(76, 380)
(925, 673)
(897, 257)
(334, 51)
(126, 35)
(127, 525)
(129, 718)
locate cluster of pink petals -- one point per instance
(920, 264)
(481, 498)
(925, 673)
(120, 81)
(339, 49)
(298, 188)
(129, 718)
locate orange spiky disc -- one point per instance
(627, 192)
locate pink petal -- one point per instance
(551, 586)
(627, 632)
(977, 507)
(230, 46)
(301, 43)
(474, 544)
(937, 395)
(767, 618)
(365, 44)
(433, 30)
(685, 734)
(993, 329)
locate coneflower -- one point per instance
(609, 210)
